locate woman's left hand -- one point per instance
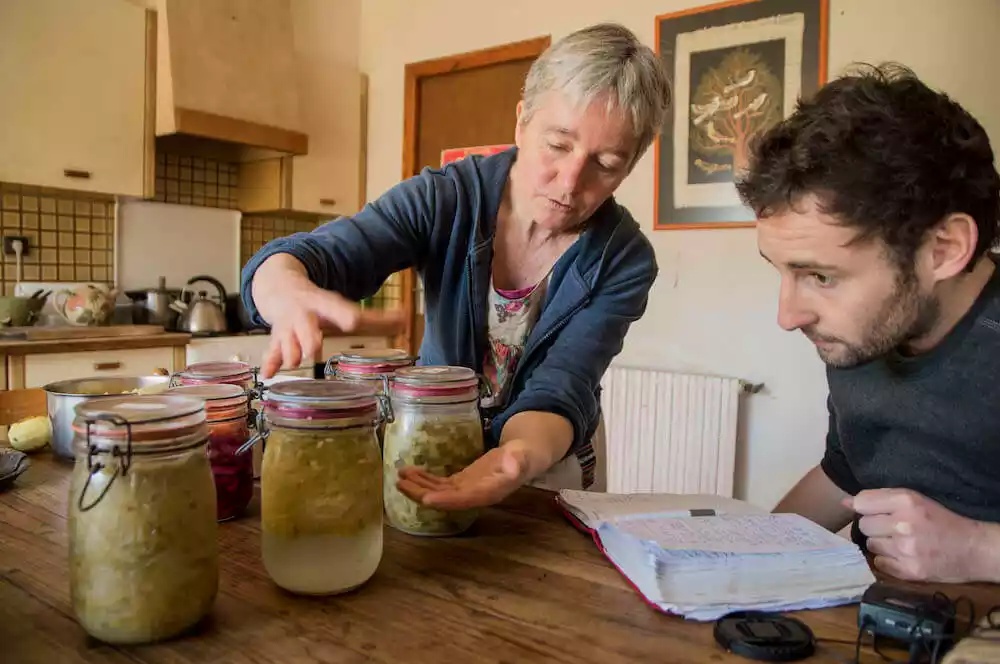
(488, 480)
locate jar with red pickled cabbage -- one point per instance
(229, 420)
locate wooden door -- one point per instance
(458, 101)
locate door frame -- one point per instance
(519, 50)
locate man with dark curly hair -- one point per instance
(878, 202)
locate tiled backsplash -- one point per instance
(189, 180)
(70, 236)
(255, 232)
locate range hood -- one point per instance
(225, 71)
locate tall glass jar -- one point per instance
(436, 426)
(321, 486)
(229, 417)
(143, 551)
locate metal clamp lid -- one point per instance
(117, 451)
(255, 418)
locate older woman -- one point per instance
(532, 272)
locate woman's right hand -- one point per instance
(299, 311)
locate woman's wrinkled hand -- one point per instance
(486, 481)
(299, 311)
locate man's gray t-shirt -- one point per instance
(929, 423)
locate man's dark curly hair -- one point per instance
(882, 153)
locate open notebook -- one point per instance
(704, 556)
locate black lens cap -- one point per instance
(766, 637)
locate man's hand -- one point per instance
(916, 538)
(486, 481)
(298, 311)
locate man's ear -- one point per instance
(952, 245)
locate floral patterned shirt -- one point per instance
(512, 316)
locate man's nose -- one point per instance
(792, 312)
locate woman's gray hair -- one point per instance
(604, 59)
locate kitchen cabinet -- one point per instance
(329, 179)
(77, 109)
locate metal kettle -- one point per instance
(203, 314)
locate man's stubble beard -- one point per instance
(905, 315)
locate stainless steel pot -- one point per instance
(64, 396)
(152, 306)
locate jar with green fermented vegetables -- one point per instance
(436, 426)
(143, 548)
(321, 486)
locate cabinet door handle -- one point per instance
(107, 366)
(357, 346)
(327, 201)
(76, 173)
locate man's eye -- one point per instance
(822, 279)
(558, 147)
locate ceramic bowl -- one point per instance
(12, 464)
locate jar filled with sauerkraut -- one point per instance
(321, 486)
(229, 417)
(143, 549)
(437, 427)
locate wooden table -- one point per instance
(524, 587)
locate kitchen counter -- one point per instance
(524, 586)
(159, 340)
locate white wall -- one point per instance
(715, 295)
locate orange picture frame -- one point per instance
(736, 68)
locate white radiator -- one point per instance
(669, 431)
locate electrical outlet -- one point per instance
(8, 245)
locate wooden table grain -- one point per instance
(523, 587)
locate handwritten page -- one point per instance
(735, 534)
(594, 508)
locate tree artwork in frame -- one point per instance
(737, 68)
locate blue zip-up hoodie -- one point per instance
(441, 222)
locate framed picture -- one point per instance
(737, 68)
